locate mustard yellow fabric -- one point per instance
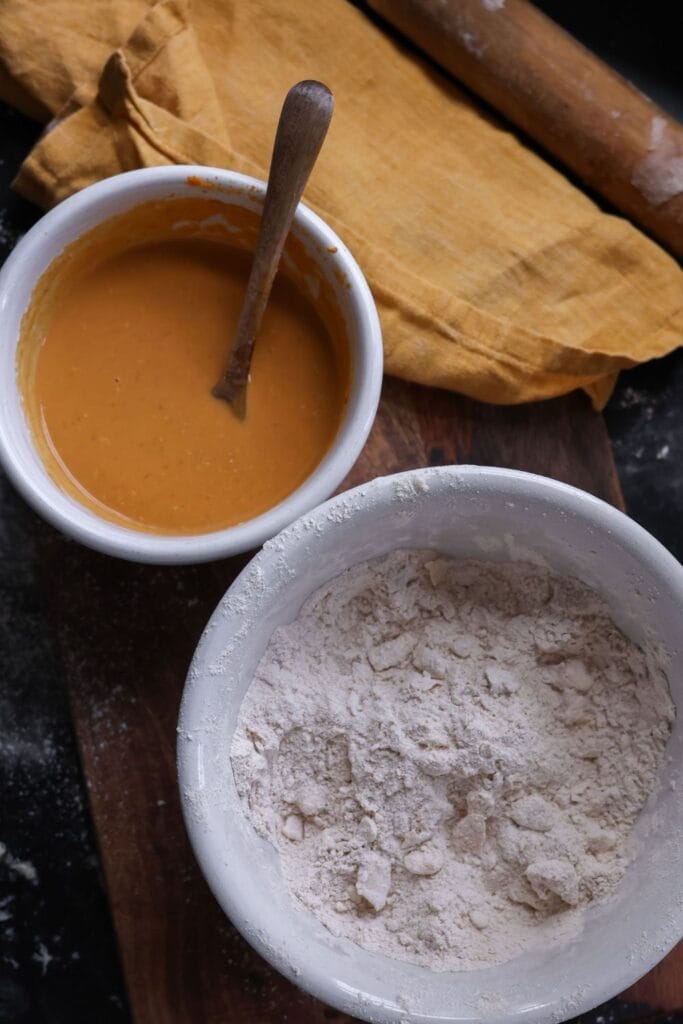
(493, 274)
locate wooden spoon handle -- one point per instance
(303, 124)
(563, 96)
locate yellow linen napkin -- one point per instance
(494, 275)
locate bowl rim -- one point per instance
(233, 895)
(81, 523)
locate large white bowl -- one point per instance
(461, 511)
(85, 210)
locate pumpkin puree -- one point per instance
(120, 349)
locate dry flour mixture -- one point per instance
(449, 755)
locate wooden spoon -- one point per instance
(302, 127)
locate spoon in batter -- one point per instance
(303, 124)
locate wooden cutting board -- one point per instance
(127, 634)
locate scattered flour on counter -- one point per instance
(20, 867)
(43, 957)
(8, 236)
(449, 755)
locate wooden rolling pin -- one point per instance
(564, 97)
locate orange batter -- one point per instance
(117, 362)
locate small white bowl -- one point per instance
(465, 511)
(97, 203)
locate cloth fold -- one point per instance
(494, 275)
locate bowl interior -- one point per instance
(322, 249)
(467, 512)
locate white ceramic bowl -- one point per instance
(83, 211)
(462, 511)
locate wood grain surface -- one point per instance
(563, 96)
(127, 634)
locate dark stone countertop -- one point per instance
(58, 958)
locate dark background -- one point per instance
(58, 958)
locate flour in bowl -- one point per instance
(449, 755)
